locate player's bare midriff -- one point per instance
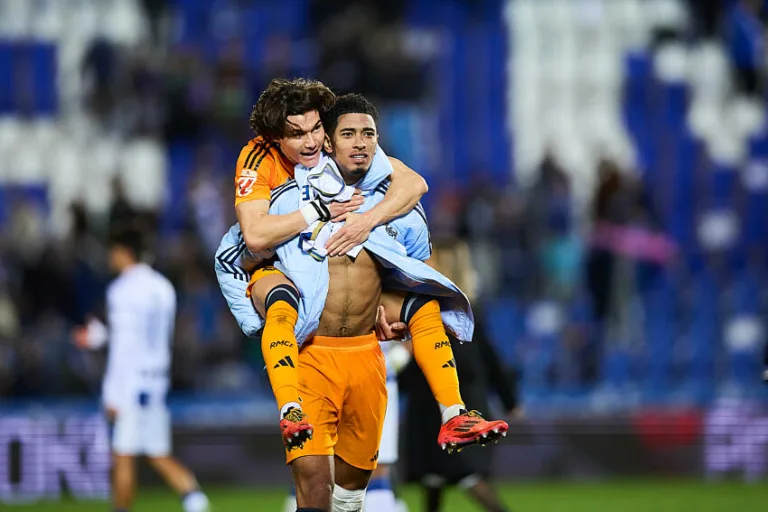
(354, 293)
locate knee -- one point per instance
(346, 500)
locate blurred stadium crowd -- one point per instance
(604, 160)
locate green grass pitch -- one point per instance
(624, 496)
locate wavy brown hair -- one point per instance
(283, 98)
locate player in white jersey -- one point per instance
(141, 311)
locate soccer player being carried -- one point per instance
(286, 118)
(349, 306)
(141, 310)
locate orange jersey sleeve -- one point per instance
(258, 171)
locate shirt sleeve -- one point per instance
(254, 174)
(418, 243)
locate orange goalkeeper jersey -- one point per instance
(261, 168)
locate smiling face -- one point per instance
(303, 138)
(353, 144)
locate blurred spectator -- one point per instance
(231, 100)
(208, 201)
(155, 11)
(707, 14)
(552, 232)
(120, 212)
(189, 94)
(607, 208)
(141, 97)
(478, 225)
(745, 35)
(514, 240)
(100, 71)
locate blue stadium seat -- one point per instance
(43, 66)
(638, 67)
(754, 226)
(745, 292)
(6, 78)
(758, 146)
(505, 325)
(744, 368)
(180, 164)
(723, 183)
(538, 358)
(674, 103)
(616, 366)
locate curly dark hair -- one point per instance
(283, 98)
(347, 104)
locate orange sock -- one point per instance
(278, 345)
(433, 353)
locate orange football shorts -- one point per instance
(343, 390)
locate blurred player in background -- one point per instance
(141, 310)
(480, 371)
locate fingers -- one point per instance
(382, 327)
(398, 329)
(341, 242)
(334, 242)
(342, 209)
(343, 248)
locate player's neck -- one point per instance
(129, 265)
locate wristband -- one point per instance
(315, 210)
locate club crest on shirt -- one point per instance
(391, 231)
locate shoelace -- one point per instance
(294, 415)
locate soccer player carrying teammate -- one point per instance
(287, 120)
(141, 310)
(342, 379)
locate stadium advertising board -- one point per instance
(43, 458)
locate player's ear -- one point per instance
(327, 146)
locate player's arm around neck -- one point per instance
(262, 231)
(404, 193)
